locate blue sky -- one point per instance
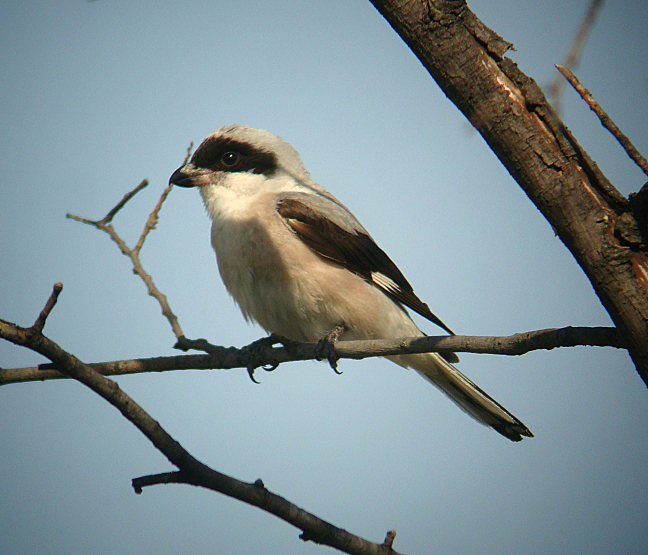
(98, 95)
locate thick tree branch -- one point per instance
(467, 61)
(191, 470)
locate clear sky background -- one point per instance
(96, 96)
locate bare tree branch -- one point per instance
(606, 120)
(153, 219)
(264, 354)
(548, 141)
(113, 212)
(191, 470)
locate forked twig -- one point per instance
(104, 225)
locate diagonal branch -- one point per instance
(39, 324)
(191, 470)
(153, 218)
(113, 212)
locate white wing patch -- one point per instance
(386, 283)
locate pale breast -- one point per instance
(287, 288)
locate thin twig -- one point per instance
(153, 218)
(192, 471)
(188, 155)
(108, 217)
(226, 358)
(575, 49)
(606, 120)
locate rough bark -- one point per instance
(604, 231)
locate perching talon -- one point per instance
(325, 348)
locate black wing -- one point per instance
(356, 251)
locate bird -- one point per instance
(300, 264)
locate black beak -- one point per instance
(183, 178)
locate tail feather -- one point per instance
(468, 396)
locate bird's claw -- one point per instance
(325, 348)
(250, 371)
(255, 353)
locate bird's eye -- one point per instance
(230, 159)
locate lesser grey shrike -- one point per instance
(300, 264)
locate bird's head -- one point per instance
(236, 156)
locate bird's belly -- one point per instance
(283, 285)
(288, 289)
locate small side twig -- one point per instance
(606, 120)
(108, 217)
(39, 324)
(155, 479)
(153, 218)
(389, 539)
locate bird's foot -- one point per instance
(256, 353)
(325, 348)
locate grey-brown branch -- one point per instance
(226, 358)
